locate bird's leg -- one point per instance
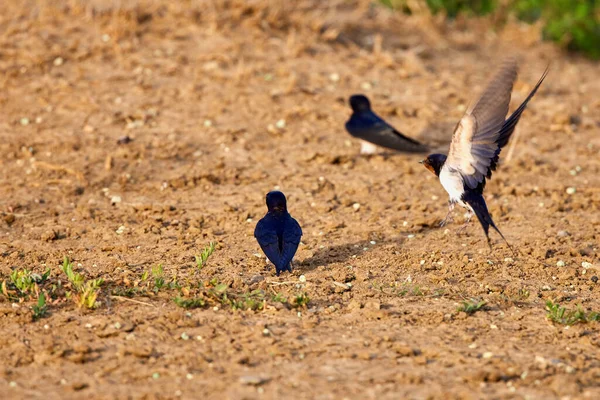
(464, 226)
(448, 218)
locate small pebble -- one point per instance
(586, 265)
(280, 124)
(334, 77)
(563, 234)
(189, 377)
(12, 384)
(207, 123)
(155, 375)
(105, 37)
(58, 61)
(411, 236)
(560, 263)
(571, 190)
(115, 200)
(366, 86)
(488, 354)
(373, 242)
(24, 121)
(356, 206)
(302, 278)
(185, 336)
(594, 279)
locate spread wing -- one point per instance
(291, 239)
(267, 238)
(370, 127)
(475, 140)
(483, 132)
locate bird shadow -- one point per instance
(335, 254)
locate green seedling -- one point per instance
(40, 309)
(563, 316)
(189, 303)
(472, 306)
(203, 257)
(158, 273)
(86, 291)
(278, 298)
(75, 278)
(25, 281)
(300, 300)
(89, 294)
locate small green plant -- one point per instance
(300, 300)
(158, 273)
(25, 281)
(89, 293)
(278, 298)
(563, 316)
(40, 309)
(75, 278)
(471, 306)
(86, 291)
(203, 257)
(189, 303)
(254, 300)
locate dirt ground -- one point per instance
(225, 101)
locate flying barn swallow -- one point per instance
(277, 233)
(372, 129)
(476, 144)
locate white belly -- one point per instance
(453, 183)
(367, 147)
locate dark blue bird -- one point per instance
(277, 233)
(368, 126)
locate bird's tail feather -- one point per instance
(477, 203)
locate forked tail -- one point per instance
(477, 203)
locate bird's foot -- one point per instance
(460, 230)
(447, 220)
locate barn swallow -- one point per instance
(476, 144)
(372, 129)
(277, 233)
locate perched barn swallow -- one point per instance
(476, 144)
(277, 233)
(372, 129)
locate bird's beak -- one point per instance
(421, 162)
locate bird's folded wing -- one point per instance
(291, 239)
(268, 241)
(475, 141)
(379, 132)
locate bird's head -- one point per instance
(434, 163)
(276, 201)
(359, 103)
